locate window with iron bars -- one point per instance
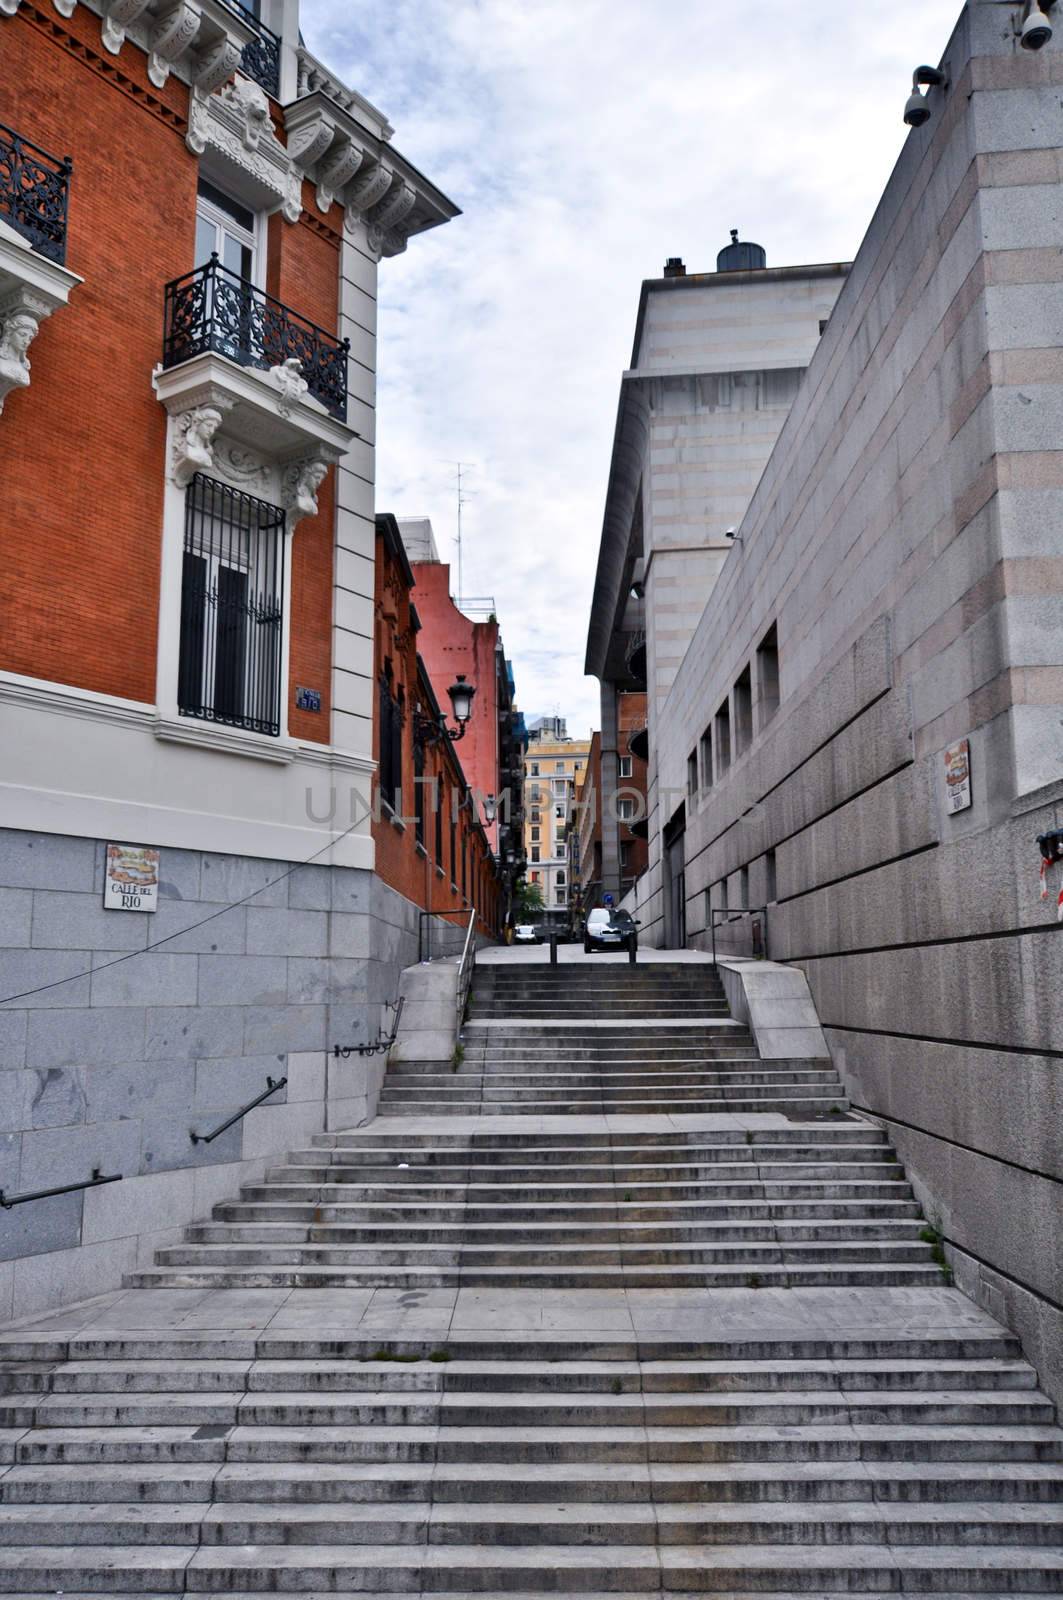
(390, 768)
(232, 608)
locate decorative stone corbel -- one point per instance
(308, 143)
(395, 206)
(291, 385)
(393, 243)
(300, 482)
(115, 19)
(215, 67)
(170, 38)
(65, 8)
(337, 169)
(193, 439)
(21, 315)
(372, 183)
(9, 7)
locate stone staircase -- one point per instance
(790, 1454)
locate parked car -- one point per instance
(526, 933)
(608, 928)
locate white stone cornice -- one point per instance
(215, 66)
(395, 206)
(370, 186)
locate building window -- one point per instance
(453, 845)
(561, 896)
(743, 713)
(560, 877)
(232, 608)
(692, 774)
(560, 787)
(536, 877)
(535, 852)
(770, 891)
(706, 759)
(723, 739)
(437, 806)
(624, 768)
(625, 809)
(535, 769)
(559, 766)
(768, 676)
(227, 229)
(578, 766)
(743, 886)
(535, 835)
(390, 768)
(535, 814)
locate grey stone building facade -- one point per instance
(896, 590)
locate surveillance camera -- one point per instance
(917, 111)
(1036, 30)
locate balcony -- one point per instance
(261, 59)
(213, 311)
(34, 187)
(639, 743)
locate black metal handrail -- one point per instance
(379, 1044)
(214, 309)
(261, 59)
(208, 1138)
(734, 913)
(34, 191)
(98, 1178)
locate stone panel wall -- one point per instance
(906, 539)
(112, 1065)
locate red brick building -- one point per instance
(431, 842)
(193, 214)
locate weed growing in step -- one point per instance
(392, 1355)
(618, 1387)
(754, 1281)
(439, 1355)
(458, 1057)
(749, 1136)
(930, 1235)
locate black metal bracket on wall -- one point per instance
(98, 1178)
(379, 1044)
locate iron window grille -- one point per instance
(214, 309)
(261, 59)
(34, 189)
(232, 608)
(390, 768)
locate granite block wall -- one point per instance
(906, 540)
(111, 1052)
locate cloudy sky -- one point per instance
(585, 141)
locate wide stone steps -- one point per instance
(814, 1461)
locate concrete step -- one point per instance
(791, 1276)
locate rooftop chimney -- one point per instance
(674, 268)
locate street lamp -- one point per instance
(430, 730)
(490, 808)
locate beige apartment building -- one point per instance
(554, 767)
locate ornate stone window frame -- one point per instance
(261, 432)
(31, 288)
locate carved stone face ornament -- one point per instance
(302, 480)
(194, 441)
(17, 334)
(288, 377)
(247, 98)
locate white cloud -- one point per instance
(586, 140)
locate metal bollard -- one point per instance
(632, 951)
(553, 949)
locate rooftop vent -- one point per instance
(741, 257)
(674, 268)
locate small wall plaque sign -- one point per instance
(131, 882)
(308, 699)
(958, 776)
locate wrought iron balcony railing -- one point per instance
(33, 193)
(261, 59)
(213, 309)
